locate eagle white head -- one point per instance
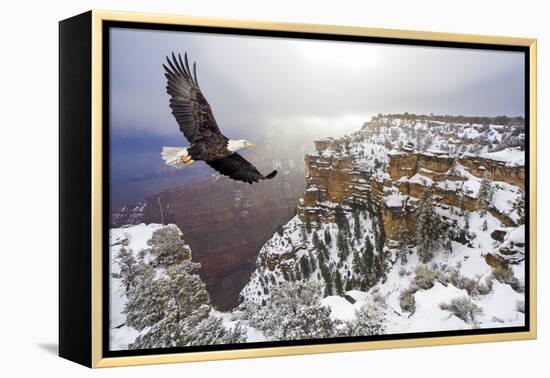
(239, 144)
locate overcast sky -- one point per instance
(255, 84)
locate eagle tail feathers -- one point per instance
(175, 156)
(271, 175)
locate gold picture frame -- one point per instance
(92, 326)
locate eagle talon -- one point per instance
(186, 159)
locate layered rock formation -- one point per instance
(337, 174)
(372, 181)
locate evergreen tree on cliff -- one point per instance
(485, 194)
(403, 247)
(428, 227)
(169, 304)
(129, 268)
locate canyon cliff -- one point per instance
(363, 193)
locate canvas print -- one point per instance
(267, 190)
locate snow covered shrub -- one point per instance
(505, 275)
(294, 311)
(464, 308)
(245, 311)
(424, 279)
(425, 276)
(406, 299)
(200, 327)
(167, 246)
(470, 285)
(370, 319)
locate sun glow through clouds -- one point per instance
(354, 56)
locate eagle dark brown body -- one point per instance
(197, 123)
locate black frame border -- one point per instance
(106, 27)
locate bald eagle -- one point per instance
(198, 125)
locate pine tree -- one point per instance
(461, 204)
(428, 229)
(403, 246)
(316, 241)
(294, 311)
(327, 278)
(356, 263)
(167, 246)
(320, 248)
(338, 284)
(308, 225)
(178, 291)
(340, 219)
(168, 303)
(328, 238)
(342, 244)
(485, 194)
(286, 276)
(312, 262)
(365, 266)
(379, 235)
(129, 268)
(305, 266)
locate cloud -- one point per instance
(256, 83)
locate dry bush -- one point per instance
(464, 308)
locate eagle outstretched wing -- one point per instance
(238, 168)
(188, 104)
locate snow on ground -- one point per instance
(513, 157)
(501, 305)
(429, 317)
(340, 307)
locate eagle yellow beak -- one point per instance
(248, 144)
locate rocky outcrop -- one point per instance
(497, 170)
(334, 177)
(127, 215)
